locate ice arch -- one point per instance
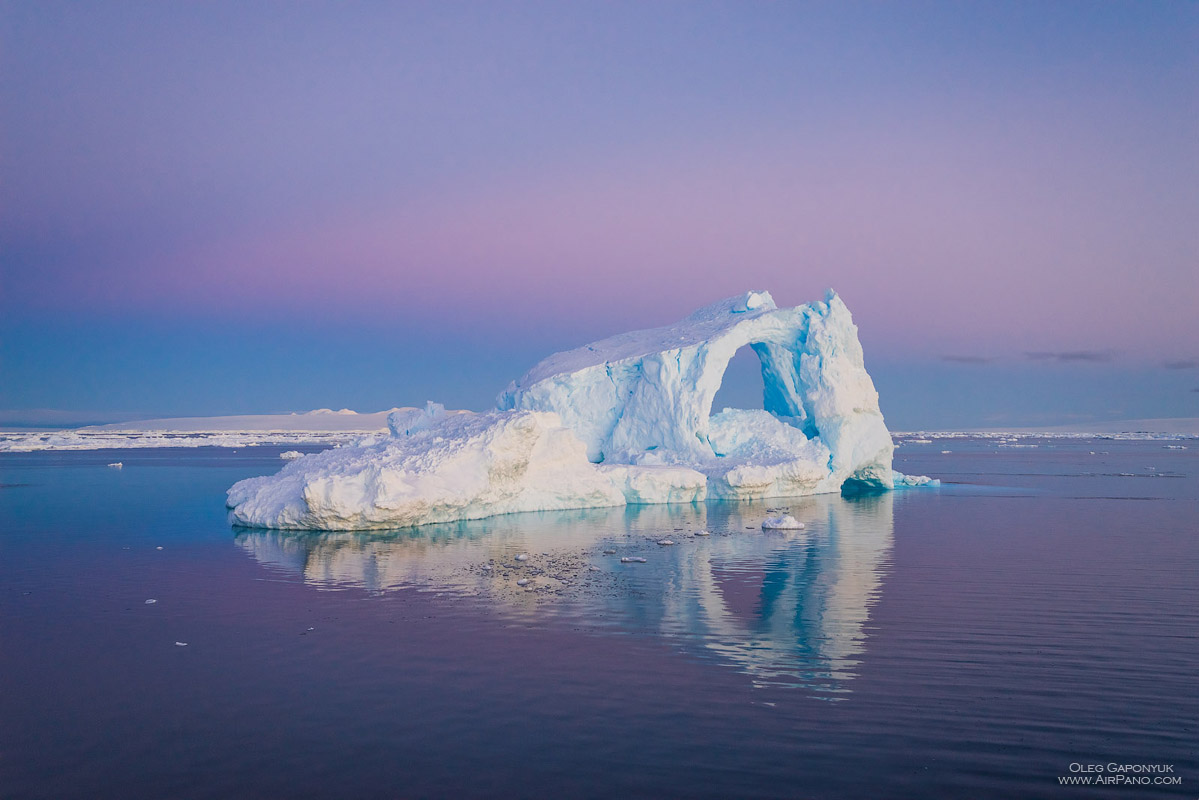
(652, 391)
(624, 420)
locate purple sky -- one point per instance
(979, 181)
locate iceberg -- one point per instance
(624, 420)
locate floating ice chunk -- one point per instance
(911, 481)
(783, 523)
(181, 644)
(158, 548)
(151, 601)
(632, 560)
(291, 455)
(116, 465)
(665, 542)
(701, 533)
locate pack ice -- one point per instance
(624, 420)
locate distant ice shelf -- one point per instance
(623, 420)
(320, 427)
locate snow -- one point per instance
(624, 420)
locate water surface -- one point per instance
(1038, 610)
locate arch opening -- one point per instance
(757, 395)
(742, 385)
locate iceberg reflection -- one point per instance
(784, 607)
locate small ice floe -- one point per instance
(311, 629)
(158, 548)
(946, 452)
(665, 542)
(116, 465)
(151, 601)
(632, 560)
(181, 644)
(783, 523)
(1176, 447)
(290, 455)
(701, 533)
(523, 582)
(523, 557)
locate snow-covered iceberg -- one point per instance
(624, 420)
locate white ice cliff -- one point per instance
(624, 420)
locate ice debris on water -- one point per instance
(158, 548)
(701, 533)
(910, 481)
(151, 601)
(665, 542)
(632, 560)
(783, 523)
(116, 465)
(181, 644)
(291, 455)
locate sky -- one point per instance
(217, 208)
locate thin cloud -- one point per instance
(1185, 363)
(968, 359)
(1065, 356)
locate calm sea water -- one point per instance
(1041, 610)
